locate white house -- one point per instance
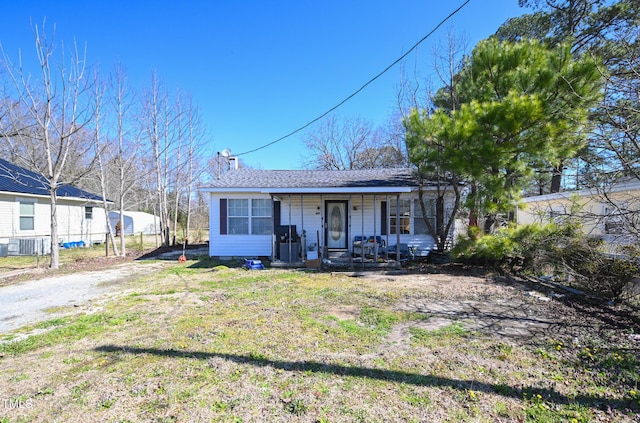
(292, 215)
(135, 222)
(611, 213)
(25, 206)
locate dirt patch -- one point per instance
(505, 308)
(344, 312)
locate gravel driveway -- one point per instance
(28, 302)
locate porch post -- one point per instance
(375, 231)
(398, 227)
(289, 243)
(273, 230)
(362, 224)
(303, 245)
(321, 233)
(387, 225)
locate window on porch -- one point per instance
(403, 210)
(419, 225)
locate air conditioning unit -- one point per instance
(29, 246)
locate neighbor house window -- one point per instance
(613, 220)
(249, 216)
(238, 214)
(403, 210)
(557, 214)
(88, 213)
(27, 215)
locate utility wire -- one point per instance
(363, 86)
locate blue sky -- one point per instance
(259, 70)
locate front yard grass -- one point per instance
(202, 344)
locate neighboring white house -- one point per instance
(611, 213)
(291, 215)
(135, 222)
(25, 207)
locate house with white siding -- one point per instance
(297, 215)
(611, 213)
(25, 207)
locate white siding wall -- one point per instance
(231, 245)
(8, 210)
(72, 225)
(312, 217)
(422, 244)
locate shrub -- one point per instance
(587, 267)
(561, 249)
(515, 248)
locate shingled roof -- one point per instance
(19, 180)
(303, 179)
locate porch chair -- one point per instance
(372, 241)
(406, 252)
(358, 246)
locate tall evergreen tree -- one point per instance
(521, 104)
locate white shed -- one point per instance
(136, 222)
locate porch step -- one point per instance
(338, 254)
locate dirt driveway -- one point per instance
(36, 300)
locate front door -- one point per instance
(336, 224)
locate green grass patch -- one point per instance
(452, 332)
(67, 330)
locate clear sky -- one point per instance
(259, 70)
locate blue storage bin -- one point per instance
(253, 265)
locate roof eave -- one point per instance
(29, 195)
(315, 190)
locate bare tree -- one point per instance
(156, 126)
(349, 143)
(427, 153)
(192, 171)
(127, 143)
(102, 153)
(46, 129)
(180, 180)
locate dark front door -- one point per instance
(336, 224)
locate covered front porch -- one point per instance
(353, 230)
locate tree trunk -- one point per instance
(55, 252)
(473, 212)
(489, 223)
(556, 179)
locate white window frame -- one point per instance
(393, 207)
(22, 215)
(250, 215)
(242, 213)
(255, 217)
(430, 206)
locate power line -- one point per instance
(398, 60)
